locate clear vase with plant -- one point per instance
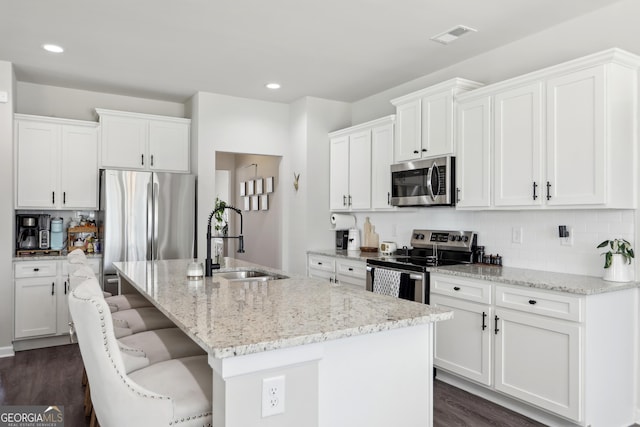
(617, 260)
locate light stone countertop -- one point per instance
(342, 253)
(560, 282)
(236, 318)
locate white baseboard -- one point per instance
(637, 421)
(6, 351)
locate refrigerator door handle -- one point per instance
(150, 215)
(156, 198)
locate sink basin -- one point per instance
(245, 275)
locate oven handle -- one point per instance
(412, 276)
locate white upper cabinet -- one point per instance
(518, 136)
(381, 159)
(144, 142)
(360, 166)
(562, 137)
(56, 163)
(425, 120)
(473, 162)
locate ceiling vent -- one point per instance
(452, 34)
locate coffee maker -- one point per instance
(342, 239)
(27, 232)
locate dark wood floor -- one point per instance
(53, 376)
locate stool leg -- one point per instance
(85, 380)
(94, 420)
(88, 405)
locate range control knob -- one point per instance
(452, 238)
(465, 239)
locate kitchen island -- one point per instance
(348, 357)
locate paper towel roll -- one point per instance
(342, 221)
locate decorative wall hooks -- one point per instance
(296, 179)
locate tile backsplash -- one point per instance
(541, 248)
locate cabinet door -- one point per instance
(437, 125)
(473, 162)
(79, 167)
(408, 131)
(381, 159)
(537, 360)
(36, 305)
(352, 273)
(124, 142)
(63, 314)
(463, 344)
(360, 170)
(517, 147)
(339, 176)
(576, 154)
(168, 146)
(37, 164)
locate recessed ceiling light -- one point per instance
(273, 86)
(54, 48)
(452, 34)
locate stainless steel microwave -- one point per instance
(424, 182)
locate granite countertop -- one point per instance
(49, 257)
(342, 253)
(236, 318)
(560, 282)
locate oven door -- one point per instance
(419, 280)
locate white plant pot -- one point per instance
(619, 271)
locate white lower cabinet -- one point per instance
(338, 270)
(542, 348)
(41, 290)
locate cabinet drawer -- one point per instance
(352, 269)
(24, 269)
(560, 306)
(471, 290)
(319, 262)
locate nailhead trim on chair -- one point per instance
(195, 417)
(104, 335)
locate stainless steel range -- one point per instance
(430, 248)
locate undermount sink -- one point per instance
(244, 275)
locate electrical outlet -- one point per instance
(273, 396)
(567, 241)
(516, 235)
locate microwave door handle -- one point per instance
(432, 169)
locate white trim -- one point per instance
(103, 112)
(456, 84)
(251, 363)
(362, 126)
(6, 351)
(54, 120)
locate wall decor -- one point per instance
(247, 205)
(250, 189)
(264, 202)
(269, 184)
(255, 203)
(296, 178)
(259, 186)
(243, 188)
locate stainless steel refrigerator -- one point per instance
(145, 216)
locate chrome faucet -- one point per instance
(209, 265)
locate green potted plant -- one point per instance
(220, 215)
(617, 260)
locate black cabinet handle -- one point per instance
(350, 200)
(424, 150)
(64, 197)
(484, 323)
(496, 330)
(36, 269)
(53, 288)
(416, 152)
(535, 186)
(457, 195)
(65, 287)
(152, 160)
(142, 159)
(532, 301)
(344, 200)
(319, 263)
(388, 198)
(456, 288)
(548, 190)
(350, 269)
(53, 197)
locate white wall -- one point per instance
(7, 84)
(43, 100)
(307, 209)
(234, 125)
